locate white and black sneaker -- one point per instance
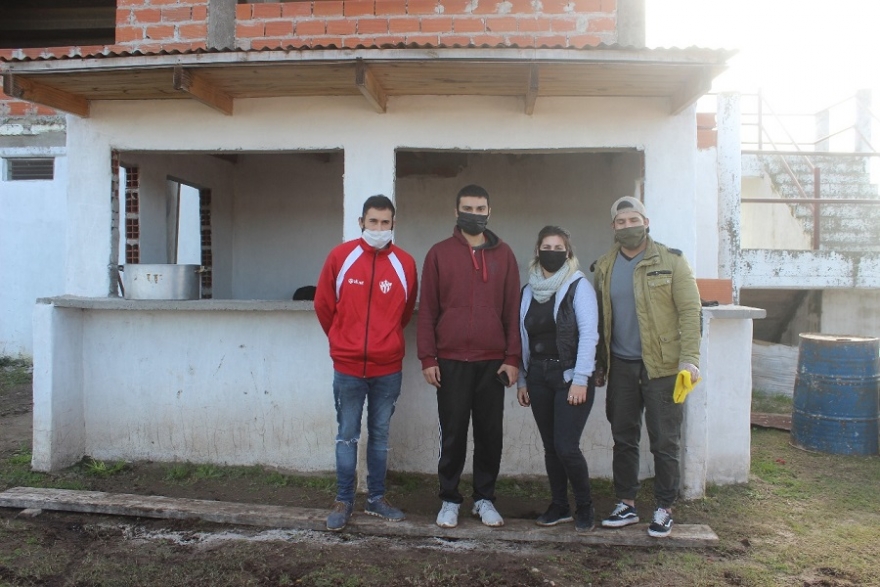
(662, 524)
(623, 515)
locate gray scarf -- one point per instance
(543, 288)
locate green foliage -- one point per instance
(770, 403)
(15, 371)
(102, 469)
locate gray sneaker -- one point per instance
(381, 508)
(487, 512)
(339, 515)
(448, 516)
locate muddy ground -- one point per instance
(65, 549)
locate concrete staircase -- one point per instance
(854, 228)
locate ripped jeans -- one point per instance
(349, 394)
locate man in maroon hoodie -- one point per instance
(364, 298)
(469, 346)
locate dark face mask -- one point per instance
(631, 237)
(552, 261)
(473, 224)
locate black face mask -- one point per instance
(473, 224)
(552, 261)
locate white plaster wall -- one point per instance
(728, 388)
(59, 395)
(850, 311)
(527, 192)
(32, 245)
(286, 218)
(770, 226)
(196, 394)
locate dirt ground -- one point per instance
(66, 549)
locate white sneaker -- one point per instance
(448, 516)
(487, 512)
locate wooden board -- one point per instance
(516, 530)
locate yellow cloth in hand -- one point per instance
(683, 385)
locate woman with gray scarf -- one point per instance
(559, 327)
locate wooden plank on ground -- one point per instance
(275, 516)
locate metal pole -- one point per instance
(817, 210)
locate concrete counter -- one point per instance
(243, 382)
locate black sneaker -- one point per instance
(662, 524)
(584, 520)
(623, 515)
(555, 514)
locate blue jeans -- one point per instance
(349, 394)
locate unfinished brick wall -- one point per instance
(348, 23)
(161, 25)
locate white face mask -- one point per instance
(377, 239)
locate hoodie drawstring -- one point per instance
(477, 267)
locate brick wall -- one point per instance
(348, 23)
(166, 25)
(161, 25)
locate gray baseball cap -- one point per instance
(627, 203)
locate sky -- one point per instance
(804, 55)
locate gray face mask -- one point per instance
(630, 237)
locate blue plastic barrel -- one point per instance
(837, 394)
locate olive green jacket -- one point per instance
(668, 308)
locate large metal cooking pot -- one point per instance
(161, 282)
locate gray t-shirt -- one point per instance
(626, 342)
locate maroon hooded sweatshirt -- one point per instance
(469, 304)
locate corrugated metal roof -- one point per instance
(109, 54)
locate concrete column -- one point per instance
(631, 23)
(59, 419)
(823, 129)
(89, 208)
(221, 24)
(729, 189)
(369, 170)
(695, 429)
(863, 122)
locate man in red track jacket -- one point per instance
(364, 298)
(469, 346)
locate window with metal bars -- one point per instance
(29, 168)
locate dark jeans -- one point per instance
(630, 393)
(350, 393)
(469, 388)
(561, 426)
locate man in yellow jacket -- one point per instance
(649, 330)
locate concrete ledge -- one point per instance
(515, 530)
(733, 312)
(177, 305)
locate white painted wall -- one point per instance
(850, 311)
(769, 226)
(244, 386)
(527, 192)
(286, 217)
(32, 246)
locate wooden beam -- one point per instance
(31, 91)
(370, 86)
(694, 87)
(186, 80)
(532, 91)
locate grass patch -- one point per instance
(103, 469)
(770, 403)
(15, 371)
